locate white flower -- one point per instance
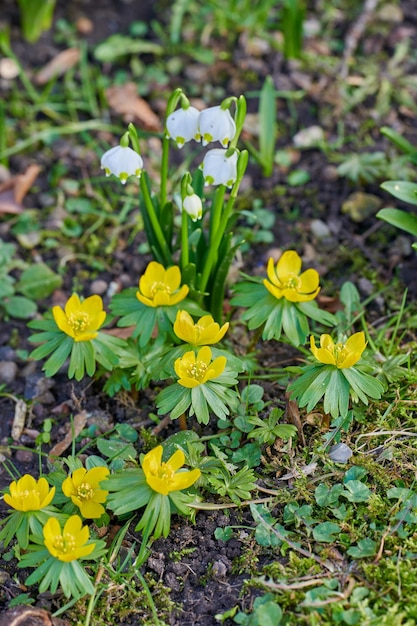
(193, 206)
(219, 169)
(216, 124)
(182, 125)
(122, 162)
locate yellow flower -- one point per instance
(165, 477)
(28, 494)
(69, 544)
(80, 320)
(341, 355)
(195, 370)
(83, 487)
(285, 281)
(161, 287)
(204, 332)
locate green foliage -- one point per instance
(36, 17)
(35, 282)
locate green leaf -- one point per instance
(117, 46)
(38, 282)
(402, 190)
(364, 548)
(20, 307)
(325, 532)
(356, 491)
(116, 449)
(400, 219)
(223, 534)
(325, 496)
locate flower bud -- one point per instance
(192, 205)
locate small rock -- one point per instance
(319, 229)
(8, 372)
(309, 137)
(340, 453)
(24, 456)
(98, 287)
(359, 206)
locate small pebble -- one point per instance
(319, 229)
(98, 287)
(8, 372)
(340, 453)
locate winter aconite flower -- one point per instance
(193, 206)
(193, 370)
(83, 487)
(341, 355)
(218, 168)
(182, 125)
(216, 124)
(69, 544)
(201, 333)
(80, 320)
(286, 281)
(161, 287)
(122, 162)
(28, 494)
(165, 477)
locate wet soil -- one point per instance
(209, 579)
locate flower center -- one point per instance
(27, 493)
(65, 544)
(78, 321)
(159, 286)
(166, 473)
(197, 370)
(340, 352)
(85, 491)
(293, 282)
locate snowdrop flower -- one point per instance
(122, 162)
(216, 124)
(219, 169)
(193, 206)
(182, 125)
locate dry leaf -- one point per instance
(30, 616)
(19, 419)
(78, 424)
(13, 191)
(124, 100)
(292, 416)
(59, 65)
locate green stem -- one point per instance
(154, 221)
(184, 240)
(216, 211)
(148, 594)
(217, 238)
(164, 172)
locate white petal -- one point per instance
(122, 162)
(218, 169)
(216, 124)
(182, 125)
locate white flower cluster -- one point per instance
(183, 125)
(212, 124)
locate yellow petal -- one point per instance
(204, 355)
(173, 277)
(310, 282)
(275, 291)
(183, 480)
(271, 273)
(177, 460)
(180, 295)
(288, 264)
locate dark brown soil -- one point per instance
(210, 578)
